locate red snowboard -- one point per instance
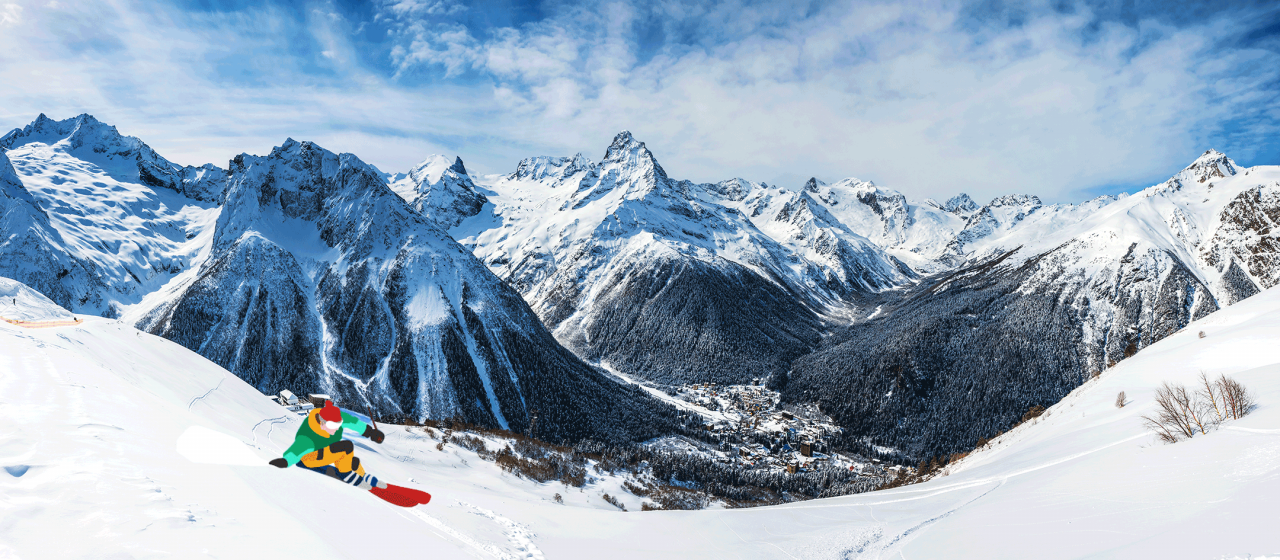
(401, 496)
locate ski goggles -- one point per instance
(332, 426)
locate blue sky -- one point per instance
(1065, 100)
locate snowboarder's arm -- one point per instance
(358, 426)
(300, 447)
(350, 422)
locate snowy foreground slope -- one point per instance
(111, 439)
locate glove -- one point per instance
(278, 463)
(374, 434)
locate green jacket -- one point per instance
(312, 437)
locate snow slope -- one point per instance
(104, 426)
(21, 303)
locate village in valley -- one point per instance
(756, 432)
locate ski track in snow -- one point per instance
(270, 427)
(521, 538)
(487, 549)
(206, 393)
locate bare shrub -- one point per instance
(1239, 401)
(1211, 395)
(1181, 413)
(552, 466)
(1033, 412)
(635, 488)
(1173, 418)
(616, 503)
(469, 442)
(675, 497)
(1120, 400)
(558, 498)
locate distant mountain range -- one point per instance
(920, 326)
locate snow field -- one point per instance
(93, 417)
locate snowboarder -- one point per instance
(319, 446)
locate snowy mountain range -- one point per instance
(918, 325)
(947, 319)
(303, 270)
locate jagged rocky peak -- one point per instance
(629, 153)
(543, 167)
(1016, 200)
(813, 185)
(735, 189)
(1212, 164)
(458, 167)
(960, 204)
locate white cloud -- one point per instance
(10, 14)
(915, 97)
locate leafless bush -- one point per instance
(1033, 412)
(1211, 395)
(1181, 413)
(616, 503)
(635, 488)
(674, 497)
(1172, 420)
(1239, 401)
(553, 466)
(1120, 400)
(472, 443)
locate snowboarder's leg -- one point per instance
(339, 461)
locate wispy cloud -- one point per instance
(10, 14)
(930, 98)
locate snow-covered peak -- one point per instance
(441, 189)
(628, 153)
(81, 131)
(125, 158)
(544, 167)
(813, 185)
(735, 189)
(431, 169)
(1212, 164)
(1025, 200)
(960, 204)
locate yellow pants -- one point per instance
(341, 460)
